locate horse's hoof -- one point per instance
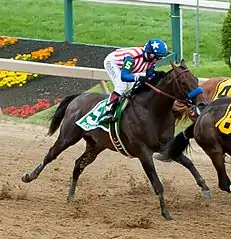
(70, 199)
(206, 194)
(26, 178)
(167, 217)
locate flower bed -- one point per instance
(38, 55)
(12, 78)
(26, 110)
(46, 86)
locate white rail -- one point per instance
(58, 70)
(53, 69)
(184, 4)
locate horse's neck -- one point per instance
(156, 103)
(159, 105)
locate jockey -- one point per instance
(122, 64)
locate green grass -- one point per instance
(117, 25)
(40, 118)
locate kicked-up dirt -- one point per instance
(113, 199)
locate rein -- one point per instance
(168, 95)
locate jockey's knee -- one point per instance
(120, 88)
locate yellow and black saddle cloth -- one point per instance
(223, 89)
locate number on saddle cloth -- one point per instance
(92, 119)
(224, 123)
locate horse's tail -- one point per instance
(180, 142)
(57, 118)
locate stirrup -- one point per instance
(108, 117)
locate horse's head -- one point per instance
(184, 86)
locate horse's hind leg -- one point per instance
(90, 154)
(63, 142)
(187, 163)
(218, 161)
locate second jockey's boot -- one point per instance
(111, 106)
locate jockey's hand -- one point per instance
(139, 82)
(159, 74)
(156, 77)
(142, 79)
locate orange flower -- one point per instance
(5, 41)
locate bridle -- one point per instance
(186, 102)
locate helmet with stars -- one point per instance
(157, 47)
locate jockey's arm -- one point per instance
(126, 75)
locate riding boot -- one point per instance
(111, 106)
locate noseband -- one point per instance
(190, 95)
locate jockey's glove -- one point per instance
(159, 74)
(142, 79)
(156, 77)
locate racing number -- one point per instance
(225, 125)
(93, 118)
(224, 92)
(128, 65)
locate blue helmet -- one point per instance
(157, 47)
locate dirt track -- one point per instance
(113, 200)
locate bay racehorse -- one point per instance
(147, 124)
(212, 132)
(214, 88)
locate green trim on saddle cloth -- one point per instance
(91, 120)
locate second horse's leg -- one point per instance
(187, 163)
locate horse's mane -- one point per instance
(180, 111)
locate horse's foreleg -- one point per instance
(187, 163)
(85, 159)
(149, 168)
(60, 145)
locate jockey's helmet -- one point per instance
(157, 47)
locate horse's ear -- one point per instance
(182, 63)
(173, 65)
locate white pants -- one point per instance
(114, 73)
